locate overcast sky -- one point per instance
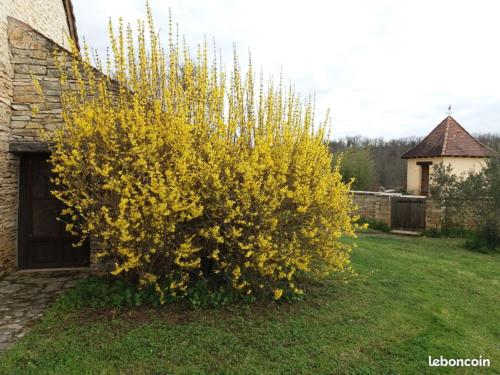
(384, 68)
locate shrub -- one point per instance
(374, 224)
(104, 292)
(483, 240)
(100, 292)
(182, 175)
(448, 232)
(473, 195)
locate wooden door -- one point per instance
(408, 213)
(43, 240)
(424, 183)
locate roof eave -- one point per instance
(445, 156)
(70, 18)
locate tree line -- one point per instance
(376, 163)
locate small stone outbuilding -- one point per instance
(448, 143)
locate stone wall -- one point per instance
(433, 214)
(378, 206)
(49, 17)
(8, 180)
(374, 205)
(32, 58)
(46, 16)
(463, 214)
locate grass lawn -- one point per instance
(415, 297)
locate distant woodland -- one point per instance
(376, 163)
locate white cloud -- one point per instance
(385, 68)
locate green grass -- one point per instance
(414, 297)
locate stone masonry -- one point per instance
(378, 206)
(49, 17)
(32, 58)
(374, 205)
(433, 214)
(25, 295)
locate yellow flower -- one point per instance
(173, 165)
(278, 293)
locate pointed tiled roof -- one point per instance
(449, 138)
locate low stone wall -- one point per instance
(378, 206)
(433, 214)
(374, 205)
(464, 214)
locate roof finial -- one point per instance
(449, 110)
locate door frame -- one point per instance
(425, 173)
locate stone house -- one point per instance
(30, 235)
(447, 143)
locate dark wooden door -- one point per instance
(424, 182)
(43, 240)
(408, 213)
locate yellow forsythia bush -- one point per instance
(183, 173)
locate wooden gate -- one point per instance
(408, 213)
